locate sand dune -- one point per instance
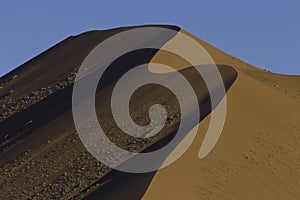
(42, 157)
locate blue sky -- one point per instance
(262, 32)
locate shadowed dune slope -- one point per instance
(42, 157)
(41, 154)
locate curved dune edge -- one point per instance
(256, 156)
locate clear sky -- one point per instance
(262, 32)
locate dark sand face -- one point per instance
(42, 157)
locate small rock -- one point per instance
(29, 122)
